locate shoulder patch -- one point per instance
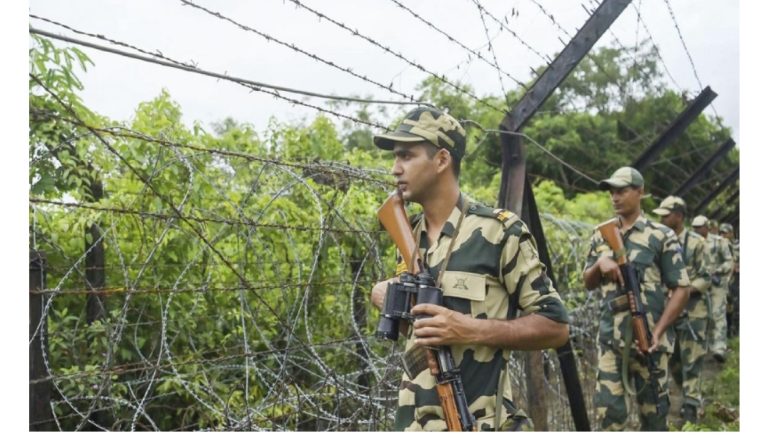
(506, 217)
(503, 215)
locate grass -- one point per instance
(721, 394)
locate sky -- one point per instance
(716, 32)
(115, 85)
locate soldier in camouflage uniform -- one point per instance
(493, 271)
(655, 253)
(691, 327)
(732, 315)
(720, 271)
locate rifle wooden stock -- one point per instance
(640, 328)
(445, 394)
(610, 232)
(392, 215)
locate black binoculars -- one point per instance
(411, 290)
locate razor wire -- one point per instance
(146, 355)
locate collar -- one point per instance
(451, 223)
(640, 224)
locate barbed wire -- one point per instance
(477, 54)
(655, 46)
(315, 57)
(166, 216)
(495, 61)
(158, 54)
(685, 46)
(318, 166)
(398, 55)
(538, 145)
(260, 367)
(504, 26)
(109, 290)
(690, 58)
(255, 86)
(551, 18)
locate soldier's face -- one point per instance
(626, 200)
(672, 220)
(703, 230)
(414, 170)
(668, 220)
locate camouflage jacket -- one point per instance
(735, 250)
(722, 260)
(697, 262)
(494, 264)
(656, 254)
(697, 259)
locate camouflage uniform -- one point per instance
(691, 326)
(654, 251)
(722, 264)
(733, 295)
(732, 307)
(494, 269)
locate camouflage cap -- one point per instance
(670, 204)
(427, 124)
(726, 228)
(623, 177)
(700, 221)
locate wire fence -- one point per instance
(212, 287)
(234, 293)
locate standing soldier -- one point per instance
(720, 271)
(691, 327)
(654, 251)
(490, 269)
(726, 231)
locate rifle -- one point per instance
(640, 328)
(450, 389)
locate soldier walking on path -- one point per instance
(691, 326)
(655, 253)
(720, 270)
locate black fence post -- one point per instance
(40, 389)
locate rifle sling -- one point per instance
(625, 357)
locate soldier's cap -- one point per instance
(623, 177)
(670, 204)
(700, 221)
(427, 124)
(726, 228)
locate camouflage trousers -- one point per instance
(690, 348)
(718, 326)
(612, 399)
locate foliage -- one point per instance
(238, 262)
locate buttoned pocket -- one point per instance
(465, 292)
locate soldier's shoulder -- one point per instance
(505, 219)
(658, 227)
(696, 237)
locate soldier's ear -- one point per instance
(444, 160)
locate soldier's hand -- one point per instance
(379, 292)
(655, 336)
(445, 327)
(610, 269)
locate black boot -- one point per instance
(688, 413)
